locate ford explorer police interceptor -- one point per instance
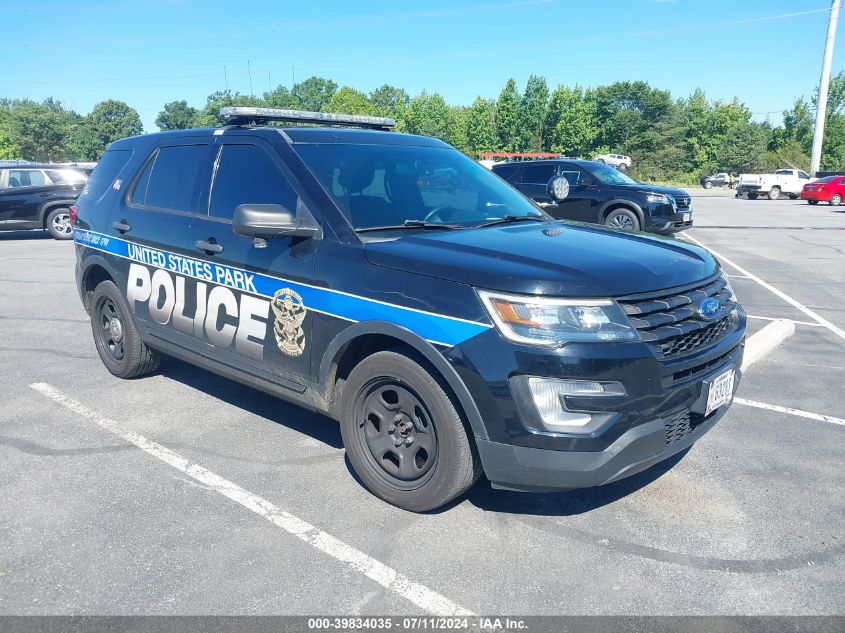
(390, 282)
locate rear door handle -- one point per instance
(209, 246)
(121, 226)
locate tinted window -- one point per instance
(65, 176)
(170, 179)
(379, 185)
(26, 178)
(247, 175)
(538, 174)
(505, 171)
(105, 172)
(573, 174)
(802, 174)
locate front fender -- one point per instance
(413, 340)
(621, 201)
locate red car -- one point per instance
(829, 189)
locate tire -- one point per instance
(752, 196)
(395, 396)
(774, 193)
(812, 201)
(600, 160)
(708, 185)
(119, 345)
(622, 167)
(835, 200)
(793, 196)
(58, 224)
(623, 219)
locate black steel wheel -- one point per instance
(118, 343)
(397, 431)
(403, 432)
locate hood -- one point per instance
(672, 191)
(556, 258)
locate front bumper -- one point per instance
(527, 469)
(674, 221)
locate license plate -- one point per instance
(687, 216)
(720, 392)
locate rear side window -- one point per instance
(26, 178)
(106, 171)
(247, 175)
(538, 174)
(170, 178)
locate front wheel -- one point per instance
(708, 185)
(623, 167)
(58, 224)
(774, 193)
(835, 200)
(118, 343)
(403, 433)
(623, 219)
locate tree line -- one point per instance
(670, 139)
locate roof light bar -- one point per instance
(246, 115)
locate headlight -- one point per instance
(729, 288)
(658, 198)
(554, 322)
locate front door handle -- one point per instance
(209, 246)
(121, 226)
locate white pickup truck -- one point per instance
(788, 182)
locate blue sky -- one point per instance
(148, 52)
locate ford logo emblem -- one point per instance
(709, 308)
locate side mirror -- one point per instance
(558, 188)
(272, 220)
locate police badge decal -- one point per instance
(290, 313)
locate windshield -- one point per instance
(609, 175)
(390, 185)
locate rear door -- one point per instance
(534, 181)
(26, 190)
(257, 319)
(152, 225)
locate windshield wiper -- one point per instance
(513, 218)
(408, 224)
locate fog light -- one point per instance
(548, 395)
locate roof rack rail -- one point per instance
(246, 115)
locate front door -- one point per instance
(582, 202)
(24, 193)
(255, 303)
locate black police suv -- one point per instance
(600, 194)
(39, 197)
(390, 282)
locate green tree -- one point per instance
(428, 115)
(313, 93)
(176, 115)
(507, 118)
(481, 126)
(570, 122)
(37, 131)
(391, 102)
(743, 149)
(349, 101)
(532, 113)
(209, 116)
(109, 121)
(456, 129)
(797, 126)
(280, 97)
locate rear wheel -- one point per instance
(623, 219)
(708, 185)
(118, 343)
(774, 193)
(835, 200)
(752, 196)
(793, 196)
(623, 167)
(403, 433)
(58, 224)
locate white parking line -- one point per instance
(766, 340)
(804, 414)
(387, 577)
(816, 317)
(762, 318)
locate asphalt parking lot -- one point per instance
(748, 522)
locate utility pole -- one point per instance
(821, 106)
(249, 72)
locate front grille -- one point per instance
(680, 424)
(669, 322)
(683, 201)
